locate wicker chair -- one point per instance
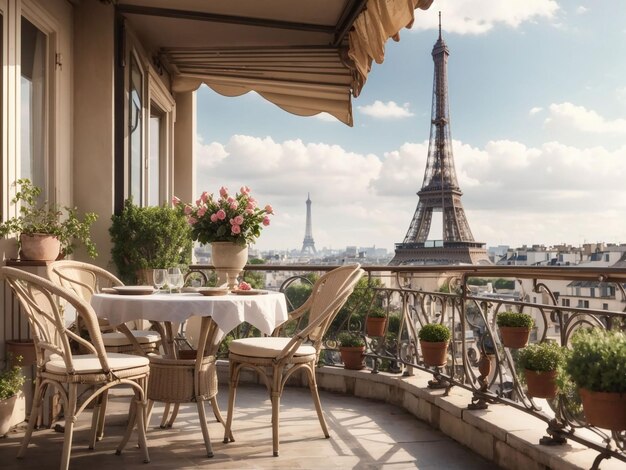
(86, 279)
(58, 367)
(275, 359)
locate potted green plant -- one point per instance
(11, 382)
(540, 364)
(376, 322)
(46, 230)
(514, 328)
(351, 348)
(434, 339)
(596, 365)
(146, 238)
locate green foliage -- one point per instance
(50, 219)
(11, 380)
(541, 357)
(350, 340)
(256, 279)
(434, 333)
(597, 360)
(358, 302)
(376, 312)
(256, 261)
(504, 284)
(514, 319)
(149, 238)
(297, 294)
(477, 281)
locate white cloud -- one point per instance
(326, 117)
(481, 16)
(581, 9)
(389, 110)
(513, 193)
(583, 119)
(535, 110)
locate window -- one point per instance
(154, 159)
(565, 302)
(605, 306)
(583, 303)
(135, 132)
(33, 106)
(592, 292)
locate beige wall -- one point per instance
(184, 146)
(93, 153)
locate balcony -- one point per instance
(387, 412)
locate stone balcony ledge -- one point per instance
(501, 434)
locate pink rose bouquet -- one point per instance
(233, 218)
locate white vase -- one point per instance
(6, 412)
(229, 260)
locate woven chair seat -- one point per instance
(119, 339)
(172, 380)
(266, 347)
(90, 364)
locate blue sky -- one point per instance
(538, 116)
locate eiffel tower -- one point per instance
(440, 190)
(308, 245)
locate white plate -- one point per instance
(134, 290)
(212, 290)
(249, 292)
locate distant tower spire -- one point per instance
(440, 26)
(308, 245)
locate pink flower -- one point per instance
(249, 211)
(243, 285)
(266, 221)
(239, 220)
(244, 190)
(235, 229)
(269, 209)
(223, 191)
(202, 211)
(221, 214)
(204, 196)
(230, 199)
(249, 206)
(191, 220)
(188, 210)
(214, 218)
(234, 205)
(175, 201)
(198, 202)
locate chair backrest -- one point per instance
(39, 299)
(82, 278)
(329, 294)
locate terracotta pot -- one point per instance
(375, 326)
(24, 348)
(229, 260)
(604, 409)
(39, 247)
(541, 384)
(434, 354)
(352, 357)
(6, 412)
(514, 337)
(145, 277)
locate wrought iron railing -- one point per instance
(411, 297)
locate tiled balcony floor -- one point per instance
(364, 434)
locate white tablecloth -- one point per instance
(266, 311)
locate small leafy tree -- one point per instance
(149, 238)
(11, 380)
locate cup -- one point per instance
(159, 277)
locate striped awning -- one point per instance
(305, 57)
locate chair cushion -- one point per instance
(119, 339)
(89, 363)
(266, 347)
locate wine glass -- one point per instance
(175, 279)
(159, 277)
